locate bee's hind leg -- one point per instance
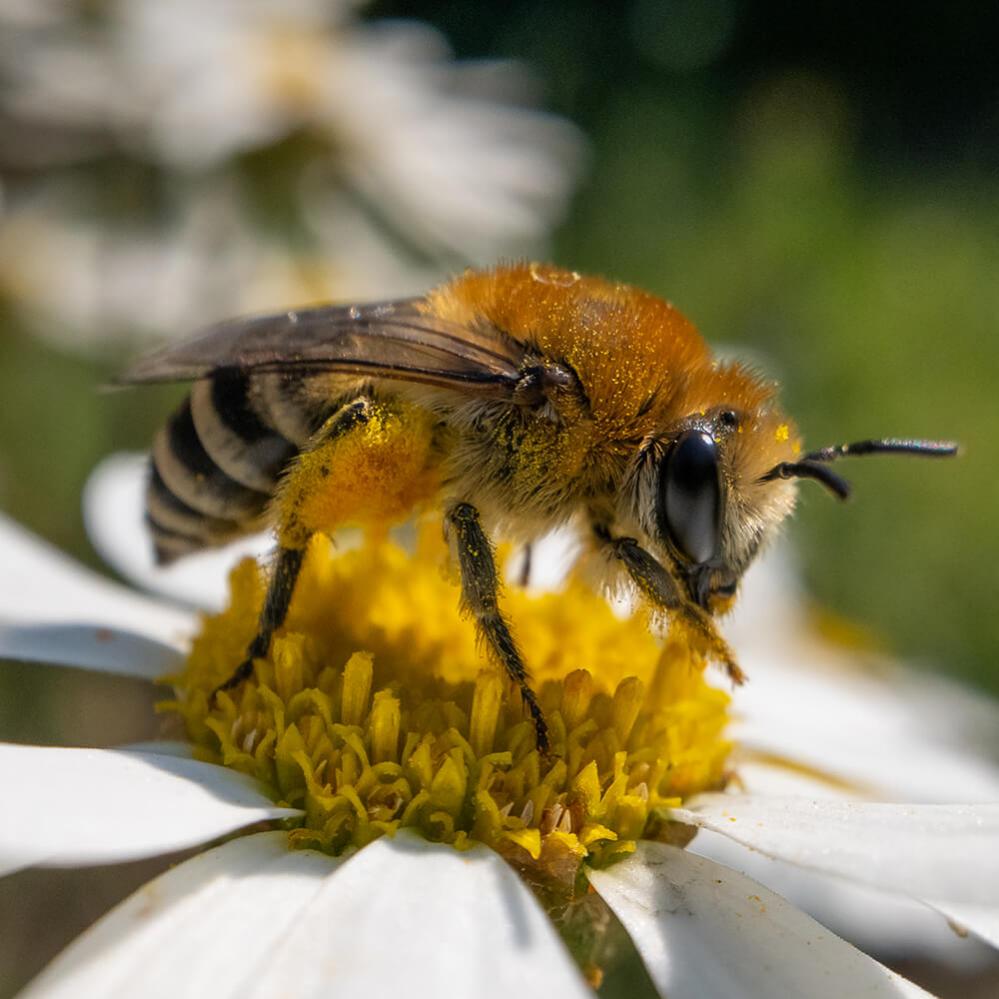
(293, 533)
(479, 590)
(279, 591)
(662, 591)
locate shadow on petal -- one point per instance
(96, 647)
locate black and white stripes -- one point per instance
(216, 463)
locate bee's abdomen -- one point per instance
(215, 466)
(179, 529)
(235, 436)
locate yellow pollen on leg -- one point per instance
(375, 710)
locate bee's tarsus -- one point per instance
(275, 609)
(540, 725)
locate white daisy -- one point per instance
(409, 163)
(392, 913)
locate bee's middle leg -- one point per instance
(479, 589)
(661, 589)
(293, 537)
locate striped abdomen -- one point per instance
(216, 463)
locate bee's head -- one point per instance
(702, 499)
(715, 486)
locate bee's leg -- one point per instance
(293, 535)
(279, 591)
(479, 587)
(524, 575)
(661, 589)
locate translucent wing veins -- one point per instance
(389, 340)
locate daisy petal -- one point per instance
(54, 610)
(425, 920)
(204, 928)
(113, 504)
(859, 730)
(926, 851)
(875, 920)
(901, 733)
(703, 930)
(161, 747)
(92, 806)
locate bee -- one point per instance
(514, 399)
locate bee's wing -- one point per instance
(388, 340)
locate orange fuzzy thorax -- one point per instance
(641, 362)
(622, 342)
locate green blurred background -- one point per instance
(814, 185)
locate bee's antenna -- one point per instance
(890, 445)
(811, 465)
(807, 469)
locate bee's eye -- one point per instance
(690, 496)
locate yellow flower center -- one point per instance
(375, 709)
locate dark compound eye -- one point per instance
(690, 496)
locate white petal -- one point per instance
(857, 728)
(204, 928)
(939, 852)
(706, 931)
(252, 917)
(113, 504)
(161, 747)
(407, 917)
(903, 734)
(771, 601)
(54, 610)
(65, 807)
(874, 920)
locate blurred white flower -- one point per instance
(88, 285)
(402, 163)
(462, 923)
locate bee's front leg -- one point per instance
(479, 591)
(662, 591)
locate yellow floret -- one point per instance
(376, 709)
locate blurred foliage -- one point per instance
(815, 188)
